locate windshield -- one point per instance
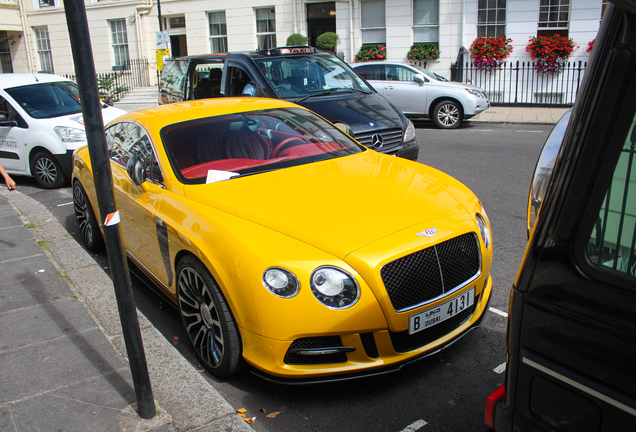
(48, 100)
(224, 147)
(300, 76)
(430, 74)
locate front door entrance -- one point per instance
(178, 45)
(321, 18)
(5, 54)
(176, 27)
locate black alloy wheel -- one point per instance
(208, 319)
(448, 114)
(86, 220)
(46, 170)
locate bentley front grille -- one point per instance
(429, 273)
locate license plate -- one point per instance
(436, 315)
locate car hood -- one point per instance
(362, 112)
(342, 204)
(454, 85)
(77, 120)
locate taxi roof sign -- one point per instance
(289, 50)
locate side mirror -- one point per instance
(136, 170)
(418, 79)
(4, 121)
(543, 170)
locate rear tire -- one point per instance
(207, 319)
(47, 170)
(86, 220)
(448, 114)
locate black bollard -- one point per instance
(91, 108)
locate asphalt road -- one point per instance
(443, 392)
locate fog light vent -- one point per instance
(317, 350)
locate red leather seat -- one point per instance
(247, 145)
(210, 148)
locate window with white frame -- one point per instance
(120, 42)
(373, 21)
(265, 28)
(44, 48)
(425, 21)
(176, 22)
(554, 17)
(46, 3)
(218, 32)
(491, 18)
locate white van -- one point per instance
(41, 124)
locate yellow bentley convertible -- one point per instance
(288, 246)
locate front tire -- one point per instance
(207, 319)
(47, 170)
(448, 114)
(86, 220)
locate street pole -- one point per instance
(91, 108)
(159, 15)
(160, 29)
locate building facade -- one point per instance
(34, 33)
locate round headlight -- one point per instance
(281, 282)
(484, 231)
(334, 287)
(482, 211)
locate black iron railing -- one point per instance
(519, 83)
(116, 84)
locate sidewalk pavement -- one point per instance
(530, 115)
(62, 351)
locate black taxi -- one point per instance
(317, 80)
(571, 333)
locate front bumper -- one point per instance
(366, 354)
(408, 150)
(479, 105)
(66, 162)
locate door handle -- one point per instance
(389, 87)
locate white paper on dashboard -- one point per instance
(215, 176)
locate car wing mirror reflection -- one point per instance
(543, 170)
(4, 121)
(418, 79)
(136, 170)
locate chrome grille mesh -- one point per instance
(390, 138)
(429, 273)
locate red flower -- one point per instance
(489, 52)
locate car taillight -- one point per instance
(491, 404)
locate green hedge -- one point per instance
(327, 41)
(296, 39)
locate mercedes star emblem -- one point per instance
(376, 141)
